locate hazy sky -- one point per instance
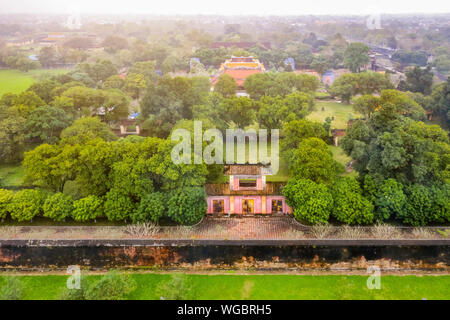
(226, 7)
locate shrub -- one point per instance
(385, 231)
(440, 211)
(418, 207)
(178, 288)
(112, 286)
(389, 199)
(142, 230)
(187, 206)
(27, 204)
(58, 207)
(89, 208)
(76, 294)
(5, 198)
(118, 206)
(350, 206)
(312, 202)
(12, 289)
(151, 208)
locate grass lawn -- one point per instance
(340, 156)
(11, 175)
(16, 81)
(265, 287)
(339, 111)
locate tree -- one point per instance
(279, 84)
(312, 202)
(440, 211)
(169, 101)
(226, 86)
(115, 106)
(58, 207)
(418, 206)
(238, 110)
(102, 70)
(344, 87)
(44, 90)
(45, 124)
(87, 209)
(296, 131)
(389, 200)
(134, 84)
(114, 82)
(187, 206)
(369, 82)
(51, 166)
(178, 288)
(12, 289)
(112, 286)
(85, 129)
(270, 113)
(26, 205)
(321, 64)
(441, 97)
(12, 136)
(152, 208)
(5, 198)
(146, 68)
(313, 160)
(390, 145)
(119, 206)
(173, 63)
(25, 102)
(367, 105)
(349, 205)
(47, 57)
(419, 80)
(114, 43)
(356, 56)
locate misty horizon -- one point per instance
(232, 7)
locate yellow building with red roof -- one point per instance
(239, 68)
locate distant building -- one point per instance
(240, 45)
(51, 38)
(290, 62)
(239, 68)
(309, 72)
(19, 42)
(328, 77)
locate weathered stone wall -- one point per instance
(210, 255)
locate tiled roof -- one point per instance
(240, 74)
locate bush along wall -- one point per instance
(185, 206)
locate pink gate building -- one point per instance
(246, 193)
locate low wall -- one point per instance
(432, 255)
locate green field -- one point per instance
(264, 287)
(16, 81)
(341, 113)
(340, 156)
(11, 175)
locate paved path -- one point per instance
(223, 228)
(248, 228)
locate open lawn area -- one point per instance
(341, 113)
(11, 175)
(340, 156)
(16, 81)
(263, 287)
